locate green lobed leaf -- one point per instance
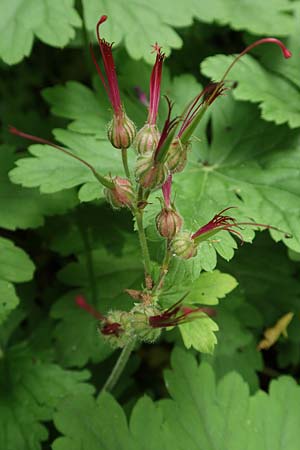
(209, 287)
(199, 334)
(139, 25)
(53, 171)
(15, 266)
(259, 85)
(250, 164)
(26, 208)
(52, 21)
(202, 414)
(31, 389)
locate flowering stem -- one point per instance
(119, 367)
(164, 267)
(125, 163)
(143, 242)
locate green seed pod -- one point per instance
(122, 195)
(147, 139)
(149, 174)
(184, 246)
(168, 223)
(177, 155)
(115, 329)
(139, 323)
(121, 131)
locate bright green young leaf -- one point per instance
(209, 287)
(26, 208)
(52, 21)
(199, 334)
(30, 390)
(15, 266)
(259, 85)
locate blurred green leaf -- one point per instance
(52, 21)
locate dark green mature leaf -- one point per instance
(236, 349)
(52, 21)
(15, 267)
(26, 208)
(139, 25)
(259, 85)
(270, 281)
(30, 391)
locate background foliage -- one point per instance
(205, 387)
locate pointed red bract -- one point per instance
(166, 189)
(177, 315)
(223, 222)
(111, 82)
(155, 83)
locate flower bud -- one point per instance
(177, 155)
(168, 223)
(139, 323)
(122, 195)
(147, 139)
(121, 131)
(184, 246)
(149, 174)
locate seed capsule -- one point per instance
(122, 195)
(184, 246)
(168, 223)
(147, 139)
(121, 131)
(149, 174)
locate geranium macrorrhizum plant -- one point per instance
(160, 155)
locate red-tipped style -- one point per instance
(107, 327)
(121, 130)
(155, 83)
(223, 222)
(148, 136)
(178, 314)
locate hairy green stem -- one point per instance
(164, 267)
(143, 242)
(119, 367)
